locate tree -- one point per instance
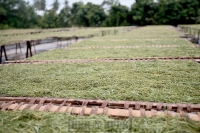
(55, 5)
(94, 14)
(144, 12)
(25, 16)
(78, 17)
(20, 14)
(87, 15)
(118, 16)
(49, 20)
(43, 5)
(189, 11)
(198, 17)
(40, 5)
(64, 15)
(17, 14)
(36, 4)
(108, 3)
(176, 12)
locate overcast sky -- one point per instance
(49, 2)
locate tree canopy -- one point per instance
(21, 14)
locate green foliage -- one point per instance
(55, 5)
(64, 16)
(118, 15)
(198, 18)
(173, 12)
(19, 14)
(95, 14)
(4, 26)
(178, 12)
(86, 15)
(144, 12)
(110, 2)
(49, 20)
(40, 4)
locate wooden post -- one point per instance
(115, 32)
(20, 48)
(33, 43)
(76, 39)
(59, 39)
(28, 43)
(198, 36)
(189, 30)
(184, 28)
(3, 49)
(196, 33)
(16, 48)
(18, 45)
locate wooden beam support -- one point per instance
(33, 43)
(3, 49)
(198, 37)
(28, 43)
(18, 45)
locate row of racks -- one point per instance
(37, 31)
(30, 44)
(191, 33)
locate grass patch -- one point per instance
(165, 35)
(5, 40)
(155, 31)
(192, 26)
(35, 122)
(132, 42)
(150, 35)
(156, 81)
(116, 53)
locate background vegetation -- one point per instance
(20, 14)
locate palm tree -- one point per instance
(55, 5)
(39, 5)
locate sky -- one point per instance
(128, 3)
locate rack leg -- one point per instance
(20, 48)
(34, 43)
(3, 49)
(28, 49)
(1, 55)
(16, 48)
(198, 36)
(5, 53)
